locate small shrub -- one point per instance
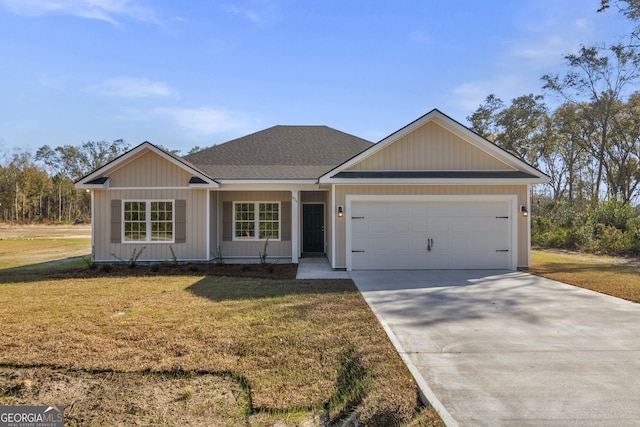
(632, 236)
(174, 259)
(107, 268)
(614, 213)
(556, 238)
(91, 265)
(539, 226)
(133, 261)
(154, 268)
(582, 237)
(219, 259)
(610, 240)
(193, 268)
(263, 254)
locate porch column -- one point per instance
(295, 226)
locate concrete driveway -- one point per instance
(496, 348)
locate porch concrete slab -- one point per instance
(496, 348)
(318, 268)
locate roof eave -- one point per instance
(454, 127)
(81, 186)
(435, 181)
(133, 154)
(267, 181)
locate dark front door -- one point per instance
(313, 228)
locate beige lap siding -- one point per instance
(521, 191)
(194, 247)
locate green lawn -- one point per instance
(37, 251)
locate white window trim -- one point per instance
(148, 221)
(256, 238)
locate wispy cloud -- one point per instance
(419, 37)
(250, 15)
(104, 10)
(470, 95)
(544, 52)
(260, 12)
(129, 87)
(539, 46)
(206, 120)
(544, 44)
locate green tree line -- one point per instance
(588, 144)
(39, 188)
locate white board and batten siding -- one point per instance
(445, 232)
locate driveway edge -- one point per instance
(427, 395)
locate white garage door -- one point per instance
(474, 234)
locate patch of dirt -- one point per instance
(604, 259)
(141, 398)
(261, 271)
(131, 398)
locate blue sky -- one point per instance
(196, 72)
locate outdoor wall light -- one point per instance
(523, 209)
(340, 211)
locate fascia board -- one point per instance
(267, 181)
(436, 181)
(452, 126)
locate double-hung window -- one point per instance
(148, 221)
(256, 221)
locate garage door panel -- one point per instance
(465, 234)
(438, 225)
(402, 226)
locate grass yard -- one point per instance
(619, 277)
(199, 350)
(34, 245)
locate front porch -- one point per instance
(284, 224)
(318, 268)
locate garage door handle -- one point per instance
(502, 250)
(358, 251)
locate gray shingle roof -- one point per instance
(279, 152)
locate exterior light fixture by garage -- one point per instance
(340, 211)
(523, 209)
